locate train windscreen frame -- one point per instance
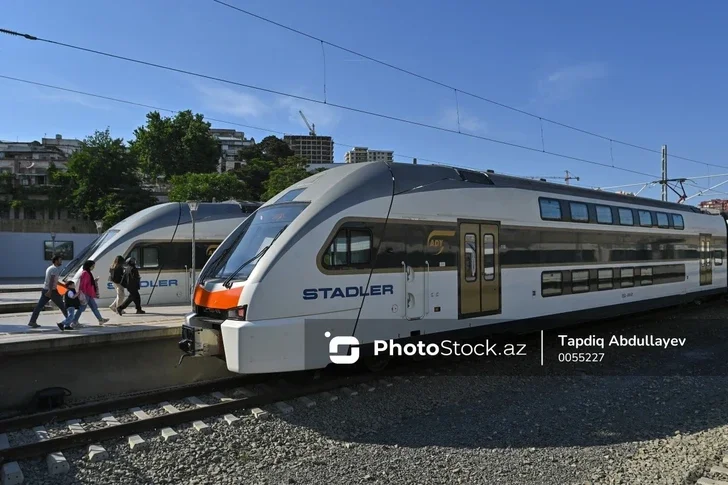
(71, 268)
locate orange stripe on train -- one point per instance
(221, 299)
(61, 289)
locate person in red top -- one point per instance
(88, 291)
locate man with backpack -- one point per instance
(132, 282)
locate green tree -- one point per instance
(206, 186)
(175, 146)
(253, 175)
(273, 148)
(289, 171)
(102, 180)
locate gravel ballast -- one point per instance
(474, 428)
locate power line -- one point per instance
(457, 90)
(157, 108)
(339, 106)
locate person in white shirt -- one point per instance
(50, 291)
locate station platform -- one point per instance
(128, 354)
(21, 301)
(14, 285)
(17, 337)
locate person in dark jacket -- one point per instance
(73, 304)
(116, 272)
(132, 282)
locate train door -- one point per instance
(706, 261)
(416, 274)
(479, 277)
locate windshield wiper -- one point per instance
(228, 282)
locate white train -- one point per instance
(160, 239)
(396, 251)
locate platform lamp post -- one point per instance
(193, 204)
(99, 226)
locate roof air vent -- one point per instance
(474, 177)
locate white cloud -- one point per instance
(75, 98)
(468, 123)
(567, 82)
(229, 101)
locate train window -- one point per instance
(626, 276)
(150, 257)
(580, 281)
(551, 283)
(579, 212)
(470, 255)
(550, 209)
(662, 220)
(677, 221)
(718, 256)
(646, 276)
(360, 246)
(336, 255)
(625, 217)
(605, 278)
(604, 214)
(645, 218)
(488, 257)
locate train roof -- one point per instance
(409, 177)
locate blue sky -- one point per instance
(648, 72)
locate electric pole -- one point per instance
(663, 182)
(569, 177)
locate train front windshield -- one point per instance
(70, 269)
(255, 235)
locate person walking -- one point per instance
(88, 292)
(132, 282)
(116, 272)
(73, 304)
(50, 291)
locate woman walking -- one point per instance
(88, 292)
(116, 272)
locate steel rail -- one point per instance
(139, 426)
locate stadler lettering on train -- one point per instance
(150, 284)
(348, 292)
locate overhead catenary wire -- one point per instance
(462, 91)
(335, 105)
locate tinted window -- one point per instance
(550, 209)
(579, 212)
(604, 214)
(488, 257)
(627, 277)
(605, 279)
(580, 281)
(290, 195)
(625, 217)
(150, 258)
(645, 218)
(677, 221)
(350, 247)
(360, 246)
(470, 257)
(662, 220)
(551, 283)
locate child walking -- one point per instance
(73, 304)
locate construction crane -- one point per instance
(311, 127)
(568, 177)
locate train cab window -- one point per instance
(605, 279)
(580, 281)
(677, 221)
(626, 276)
(550, 209)
(470, 257)
(625, 217)
(150, 258)
(579, 212)
(645, 218)
(718, 257)
(350, 247)
(662, 220)
(551, 283)
(646, 276)
(604, 214)
(488, 257)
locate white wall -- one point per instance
(22, 252)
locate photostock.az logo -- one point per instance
(337, 342)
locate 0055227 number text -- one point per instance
(581, 357)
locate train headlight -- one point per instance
(238, 313)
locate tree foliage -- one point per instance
(102, 181)
(206, 186)
(288, 172)
(175, 146)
